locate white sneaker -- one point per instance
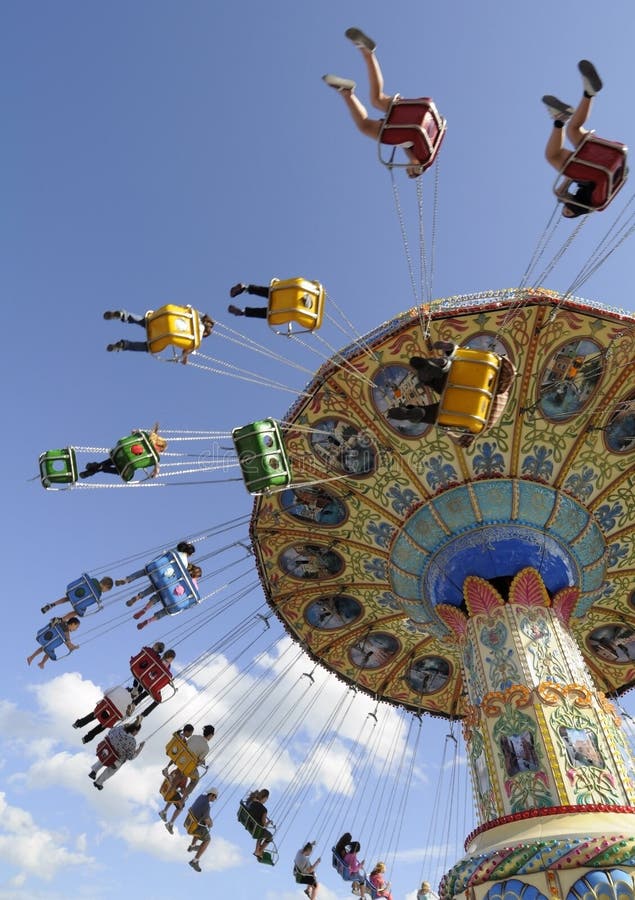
(357, 36)
(557, 109)
(340, 84)
(591, 81)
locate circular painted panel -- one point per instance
(310, 562)
(428, 674)
(613, 643)
(487, 341)
(374, 650)
(328, 613)
(313, 504)
(619, 434)
(397, 386)
(569, 379)
(342, 447)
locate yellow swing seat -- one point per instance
(295, 301)
(182, 757)
(179, 326)
(467, 398)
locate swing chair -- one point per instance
(52, 636)
(113, 707)
(172, 582)
(270, 855)
(415, 124)
(135, 451)
(82, 594)
(106, 753)
(186, 762)
(58, 468)
(151, 672)
(295, 301)
(262, 456)
(195, 828)
(176, 326)
(598, 161)
(466, 400)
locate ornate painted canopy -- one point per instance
(386, 518)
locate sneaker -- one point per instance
(340, 84)
(142, 625)
(45, 609)
(591, 81)
(234, 310)
(237, 289)
(120, 581)
(132, 600)
(118, 346)
(138, 614)
(92, 775)
(164, 772)
(99, 787)
(112, 314)
(357, 36)
(191, 848)
(87, 738)
(557, 109)
(163, 815)
(76, 724)
(307, 892)
(170, 827)
(194, 864)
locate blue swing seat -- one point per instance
(51, 637)
(82, 594)
(167, 572)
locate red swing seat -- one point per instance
(600, 161)
(107, 713)
(150, 671)
(106, 754)
(416, 123)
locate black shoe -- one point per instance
(92, 775)
(118, 346)
(46, 607)
(112, 314)
(234, 310)
(76, 724)
(99, 787)
(237, 289)
(591, 81)
(87, 737)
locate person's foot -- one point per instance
(76, 724)
(169, 827)
(591, 81)
(138, 614)
(142, 625)
(99, 787)
(118, 346)
(132, 600)
(120, 581)
(308, 893)
(92, 775)
(163, 815)
(357, 36)
(558, 110)
(448, 347)
(41, 665)
(191, 848)
(46, 607)
(234, 310)
(87, 738)
(237, 289)
(194, 864)
(112, 314)
(340, 84)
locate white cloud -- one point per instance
(34, 850)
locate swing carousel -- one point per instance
(479, 568)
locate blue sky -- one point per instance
(159, 152)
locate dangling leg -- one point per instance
(378, 98)
(48, 606)
(88, 737)
(125, 316)
(37, 652)
(79, 723)
(138, 574)
(144, 593)
(153, 599)
(592, 84)
(560, 112)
